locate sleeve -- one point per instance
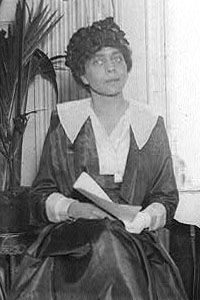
(57, 206)
(46, 182)
(162, 187)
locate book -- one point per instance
(88, 187)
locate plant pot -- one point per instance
(14, 210)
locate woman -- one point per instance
(85, 253)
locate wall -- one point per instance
(144, 23)
(7, 10)
(183, 92)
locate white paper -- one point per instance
(86, 185)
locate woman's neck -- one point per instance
(109, 110)
(106, 105)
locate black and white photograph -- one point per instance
(99, 150)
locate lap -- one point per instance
(88, 259)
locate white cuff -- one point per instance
(140, 222)
(57, 206)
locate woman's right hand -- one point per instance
(60, 208)
(86, 211)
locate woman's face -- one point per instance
(106, 72)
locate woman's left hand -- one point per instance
(157, 213)
(152, 217)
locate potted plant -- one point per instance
(20, 62)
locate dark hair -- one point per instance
(88, 40)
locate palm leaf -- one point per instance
(20, 57)
(40, 64)
(35, 19)
(7, 74)
(32, 38)
(39, 36)
(20, 62)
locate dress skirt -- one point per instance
(96, 260)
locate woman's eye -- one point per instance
(118, 59)
(98, 61)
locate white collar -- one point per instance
(73, 115)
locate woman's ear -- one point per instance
(84, 80)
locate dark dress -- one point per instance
(99, 259)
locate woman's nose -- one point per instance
(110, 66)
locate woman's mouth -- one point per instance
(113, 80)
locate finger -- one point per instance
(141, 221)
(91, 217)
(63, 217)
(133, 229)
(157, 222)
(99, 214)
(154, 223)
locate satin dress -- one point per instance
(99, 259)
